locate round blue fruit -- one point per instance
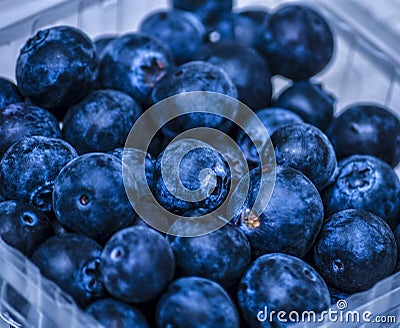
(310, 101)
(72, 261)
(366, 183)
(29, 168)
(133, 63)
(23, 226)
(89, 196)
(207, 11)
(366, 129)
(21, 120)
(213, 186)
(306, 149)
(196, 302)
(9, 93)
(297, 42)
(112, 313)
(292, 218)
(272, 119)
(247, 69)
(280, 282)
(180, 31)
(222, 255)
(355, 250)
(137, 264)
(101, 121)
(56, 68)
(193, 76)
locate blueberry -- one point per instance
(202, 169)
(30, 166)
(194, 76)
(89, 196)
(247, 26)
(337, 295)
(366, 183)
(354, 250)
(112, 313)
(133, 63)
(56, 68)
(297, 42)
(72, 261)
(21, 120)
(310, 101)
(242, 27)
(207, 11)
(280, 282)
(272, 119)
(292, 218)
(396, 233)
(101, 121)
(196, 302)
(137, 264)
(101, 43)
(134, 159)
(222, 255)
(307, 149)
(247, 69)
(9, 93)
(367, 129)
(181, 31)
(23, 227)
(223, 29)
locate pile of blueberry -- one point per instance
(331, 224)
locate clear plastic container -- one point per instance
(365, 67)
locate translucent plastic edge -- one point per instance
(26, 279)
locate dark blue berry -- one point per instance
(112, 313)
(196, 302)
(134, 159)
(21, 120)
(310, 101)
(89, 196)
(280, 282)
(72, 261)
(23, 226)
(222, 255)
(242, 27)
(272, 119)
(366, 183)
(207, 11)
(367, 129)
(306, 149)
(57, 67)
(247, 27)
(297, 42)
(293, 215)
(137, 264)
(101, 121)
(9, 93)
(213, 185)
(180, 31)
(193, 76)
(101, 43)
(396, 232)
(133, 63)
(29, 168)
(246, 68)
(354, 250)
